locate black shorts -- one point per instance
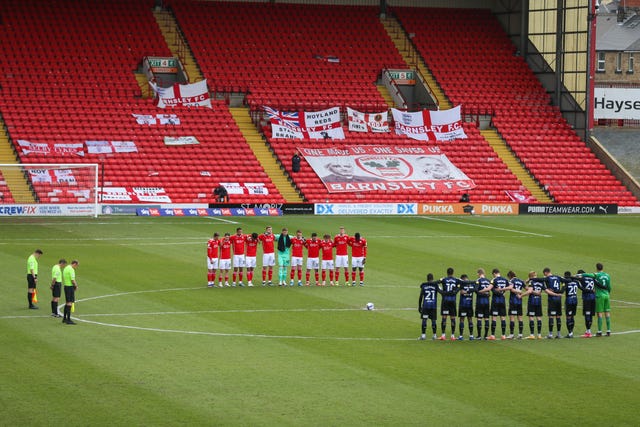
(534, 310)
(465, 312)
(571, 309)
(69, 294)
(515, 309)
(554, 308)
(31, 281)
(448, 308)
(482, 311)
(589, 307)
(498, 309)
(56, 290)
(429, 313)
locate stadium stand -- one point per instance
(477, 67)
(5, 193)
(268, 50)
(290, 56)
(76, 85)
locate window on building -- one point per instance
(630, 70)
(619, 62)
(601, 62)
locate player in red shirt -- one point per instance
(341, 241)
(297, 246)
(313, 255)
(225, 260)
(213, 253)
(327, 246)
(268, 254)
(238, 241)
(358, 257)
(250, 256)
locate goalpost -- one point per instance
(49, 189)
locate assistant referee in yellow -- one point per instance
(70, 285)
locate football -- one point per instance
(370, 306)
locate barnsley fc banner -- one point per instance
(134, 194)
(49, 176)
(386, 168)
(323, 124)
(106, 147)
(367, 122)
(429, 125)
(46, 148)
(194, 94)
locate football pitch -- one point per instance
(153, 346)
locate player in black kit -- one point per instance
(570, 289)
(534, 304)
(499, 285)
(465, 306)
(483, 288)
(588, 287)
(428, 304)
(515, 304)
(450, 287)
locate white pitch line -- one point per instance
(266, 310)
(241, 335)
(483, 226)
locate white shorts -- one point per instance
(212, 263)
(357, 261)
(250, 262)
(238, 261)
(312, 263)
(268, 260)
(225, 264)
(342, 261)
(327, 264)
(296, 261)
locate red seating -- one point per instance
(475, 64)
(78, 84)
(279, 53)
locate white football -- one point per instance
(370, 306)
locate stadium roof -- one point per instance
(613, 37)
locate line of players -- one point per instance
(491, 303)
(234, 253)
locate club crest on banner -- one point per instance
(388, 167)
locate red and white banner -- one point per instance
(134, 194)
(323, 124)
(45, 148)
(194, 95)
(163, 119)
(386, 168)
(106, 147)
(367, 122)
(519, 197)
(429, 125)
(254, 188)
(49, 176)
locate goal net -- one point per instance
(48, 189)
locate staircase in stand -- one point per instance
(14, 177)
(386, 95)
(177, 44)
(264, 155)
(413, 58)
(500, 147)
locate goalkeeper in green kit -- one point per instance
(603, 304)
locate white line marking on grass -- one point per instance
(266, 310)
(241, 335)
(626, 302)
(483, 226)
(215, 218)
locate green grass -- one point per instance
(153, 346)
